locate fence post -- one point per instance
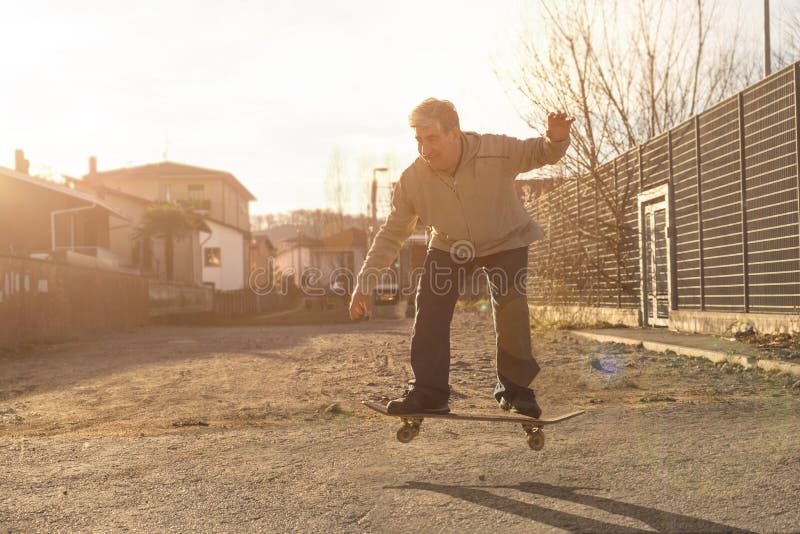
(580, 287)
(672, 234)
(618, 237)
(700, 213)
(796, 72)
(743, 184)
(639, 165)
(597, 289)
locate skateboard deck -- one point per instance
(533, 427)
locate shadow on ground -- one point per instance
(658, 520)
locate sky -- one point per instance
(263, 89)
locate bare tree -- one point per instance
(336, 186)
(628, 71)
(788, 39)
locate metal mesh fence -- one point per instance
(734, 217)
(686, 215)
(655, 161)
(628, 187)
(720, 191)
(772, 195)
(607, 221)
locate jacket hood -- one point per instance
(470, 143)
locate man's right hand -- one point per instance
(360, 306)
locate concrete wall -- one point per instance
(46, 301)
(715, 323)
(728, 323)
(170, 298)
(583, 315)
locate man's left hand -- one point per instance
(558, 125)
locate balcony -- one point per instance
(197, 205)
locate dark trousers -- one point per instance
(442, 280)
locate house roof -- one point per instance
(169, 169)
(261, 237)
(103, 190)
(64, 190)
(351, 237)
(302, 240)
(227, 225)
(279, 234)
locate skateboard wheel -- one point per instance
(536, 440)
(406, 434)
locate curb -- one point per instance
(748, 362)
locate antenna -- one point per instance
(166, 148)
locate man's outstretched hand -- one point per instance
(558, 125)
(360, 306)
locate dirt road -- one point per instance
(260, 429)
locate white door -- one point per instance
(656, 297)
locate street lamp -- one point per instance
(374, 201)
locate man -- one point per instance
(462, 185)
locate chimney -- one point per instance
(92, 164)
(20, 163)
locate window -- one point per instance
(197, 192)
(213, 257)
(166, 193)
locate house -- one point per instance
(44, 219)
(261, 250)
(218, 253)
(320, 263)
(147, 259)
(296, 257)
(343, 251)
(58, 278)
(225, 256)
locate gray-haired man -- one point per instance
(462, 185)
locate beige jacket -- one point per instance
(477, 210)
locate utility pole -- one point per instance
(374, 203)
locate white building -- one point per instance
(223, 256)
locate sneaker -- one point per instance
(523, 406)
(414, 401)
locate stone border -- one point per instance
(584, 315)
(748, 362)
(729, 323)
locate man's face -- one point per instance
(441, 150)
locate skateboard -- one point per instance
(532, 427)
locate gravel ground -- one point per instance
(260, 429)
